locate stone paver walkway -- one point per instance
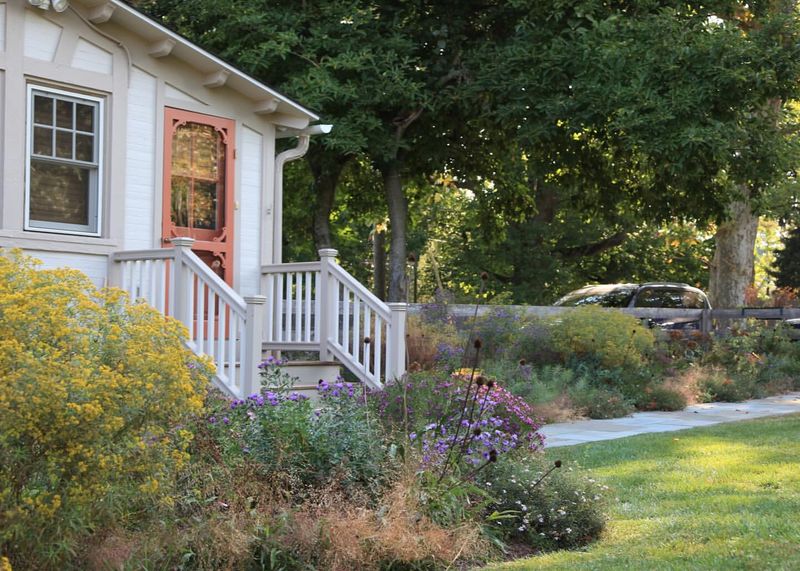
(578, 432)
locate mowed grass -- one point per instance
(725, 497)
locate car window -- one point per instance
(669, 298)
(614, 298)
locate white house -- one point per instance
(147, 163)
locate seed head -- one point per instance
(492, 455)
(557, 463)
(484, 276)
(480, 380)
(490, 384)
(522, 362)
(367, 340)
(412, 258)
(477, 432)
(477, 344)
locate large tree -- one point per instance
(382, 72)
(658, 109)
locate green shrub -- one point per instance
(659, 397)
(285, 435)
(562, 511)
(93, 395)
(718, 386)
(598, 401)
(608, 337)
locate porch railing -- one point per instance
(221, 324)
(318, 306)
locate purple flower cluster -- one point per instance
(337, 389)
(491, 421)
(258, 400)
(448, 354)
(271, 362)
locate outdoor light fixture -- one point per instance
(58, 5)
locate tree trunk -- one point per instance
(398, 220)
(326, 169)
(379, 261)
(732, 269)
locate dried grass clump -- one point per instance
(347, 538)
(687, 383)
(560, 409)
(423, 341)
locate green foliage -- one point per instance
(284, 434)
(94, 394)
(599, 401)
(611, 338)
(787, 261)
(753, 361)
(659, 397)
(562, 510)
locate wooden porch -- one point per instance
(309, 306)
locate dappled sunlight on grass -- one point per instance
(724, 497)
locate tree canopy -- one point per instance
(567, 129)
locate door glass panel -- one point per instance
(198, 177)
(180, 200)
(205, 205)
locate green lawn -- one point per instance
(725, 497)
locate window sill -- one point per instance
(57, 242)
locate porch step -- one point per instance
(309, 373)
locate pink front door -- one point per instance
(198, 186)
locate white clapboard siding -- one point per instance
(3, 27)
(41, 37)
(251, 162)
(140, 159)
(92, 58)
(93, 266)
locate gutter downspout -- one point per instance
(280, 161)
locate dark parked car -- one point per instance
(656, 294)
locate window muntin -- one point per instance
(63, 171)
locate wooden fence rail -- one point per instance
(710, 319)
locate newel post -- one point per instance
(396, 344)
(328, 318)
(114, 272)
(182, 298)
(252, 346)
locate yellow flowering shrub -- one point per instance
(93, 394)
(611, 337)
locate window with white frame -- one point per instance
(63, 170)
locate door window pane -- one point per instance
(198, 176)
